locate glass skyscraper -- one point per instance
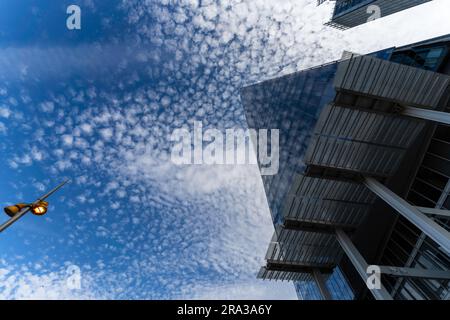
(351, 132)
(351, 13)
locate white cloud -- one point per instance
(106, 133)
(242, 291)
(47, 106)
(21, 282)
(3, 129)
(4, 112)
(39, 185)
(67, 140)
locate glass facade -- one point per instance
(345, 6)
(293, 104)
(430, 55)
(429, 58)
(336, 284)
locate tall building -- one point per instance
(363, 175)
(352, 13)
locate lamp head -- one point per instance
(14, 209)
(39, 208)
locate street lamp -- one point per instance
(38, 207)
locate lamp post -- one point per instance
(38, 207)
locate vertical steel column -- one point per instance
(320, 281)
(427, 114)
(360, 264)
(422, 237)
(421, 221)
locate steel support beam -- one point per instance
(319, 227)
(360, 264)
(435, 212)
(274, 265)
(427, 114)
(320, 281)
(422, 237)
(330, 173)
(411, 213)
(415, 273)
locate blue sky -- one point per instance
(98, 106)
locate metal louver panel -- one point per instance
(364, 142)
(327, 201)
(266, 274)
(304, 247)
(391, 81)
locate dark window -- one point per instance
(427, 58)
